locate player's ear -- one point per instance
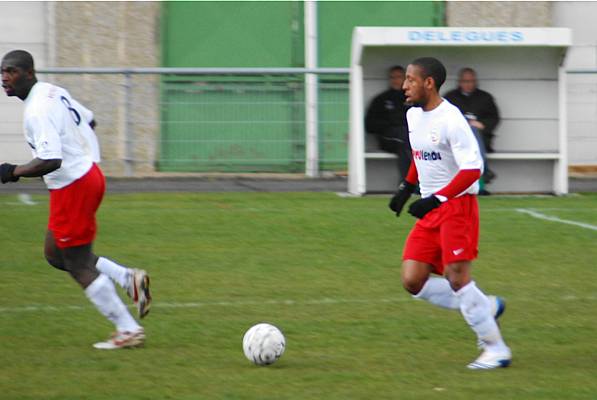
(429, 83)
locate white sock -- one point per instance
(476, 310)
(115, 271)
(102, 294)
(438, 291)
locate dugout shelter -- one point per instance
(521, 67)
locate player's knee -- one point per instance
(54, 261)
(412, 285)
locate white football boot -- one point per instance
(491, 359)
(138, 291)
(122, 340)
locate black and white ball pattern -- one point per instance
(263, 344)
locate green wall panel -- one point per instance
(338, 18)
(231, 34)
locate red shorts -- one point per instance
(447, 234)
(73, 207)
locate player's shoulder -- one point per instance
(450, 108)
(44, 93)
(413, 111)
(44, 101)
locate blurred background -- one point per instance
(116, 58)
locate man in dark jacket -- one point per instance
(479, 109)
(386, 119)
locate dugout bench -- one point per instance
(521, 67)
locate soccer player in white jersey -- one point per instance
(60, 133)
(447, 165)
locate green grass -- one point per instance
(326, 271)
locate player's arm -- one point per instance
(405, 190)
(37, 167)
(34, 168)
(47, 146)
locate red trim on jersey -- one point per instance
(412, 176)
(463, 179)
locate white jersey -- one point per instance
(57, 127)
(442, 144)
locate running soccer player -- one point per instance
(60, 132)
(447, 165)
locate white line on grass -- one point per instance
(247, 303)
(538, 215)
(201, 304)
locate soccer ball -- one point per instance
(263, 344)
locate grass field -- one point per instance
(325, 270)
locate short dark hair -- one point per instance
(396, 68)
(432, 67)
(21, 58)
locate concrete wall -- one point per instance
(113, 34)
(582, 89)
(24, 26)
(498, 13)
(89, 34)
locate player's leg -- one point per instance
(134, 281)
(475, 307)
(72, 222)
(421, 258)
(415, 275)
(52, 253)
(434, 289)
(459, 235)
(80, 262)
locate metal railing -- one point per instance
(234, 119)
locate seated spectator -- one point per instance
(480, 110)
(386, 119)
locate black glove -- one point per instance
(401, 197)
(7, 173)
(421, 207)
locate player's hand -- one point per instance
(401, 197)
(7, 173)
(421, 207)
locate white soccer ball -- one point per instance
(263, 344)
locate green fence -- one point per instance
(249, 124)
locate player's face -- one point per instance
(396, 79)
(14, 78)
(414, 86)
